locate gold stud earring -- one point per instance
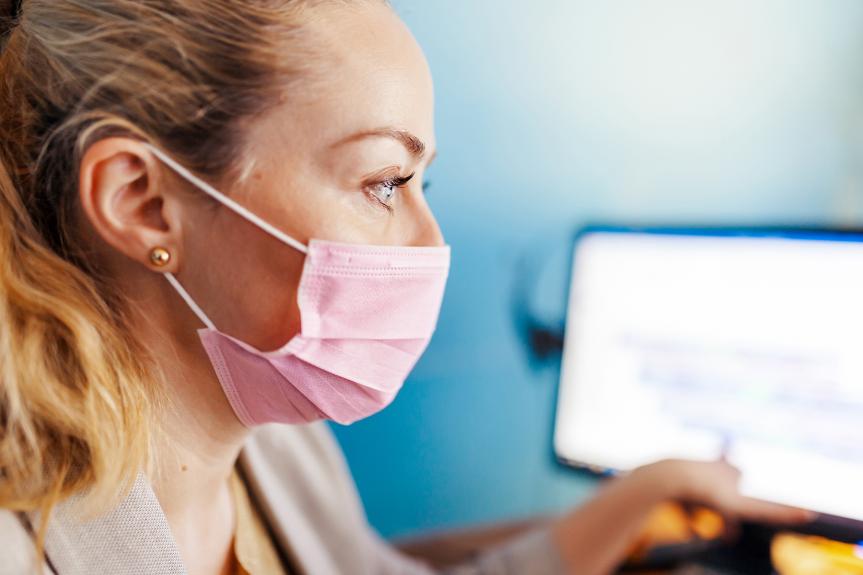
(160, 257)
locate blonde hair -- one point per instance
(77, 391)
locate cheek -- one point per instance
(358, 219)
(251, 283)
(341, 215)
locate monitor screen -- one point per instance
(697, 344)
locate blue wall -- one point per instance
(554, 113)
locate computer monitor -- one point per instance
(694, 343)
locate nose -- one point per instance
(428, 231)
(438, 239)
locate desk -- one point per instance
(794, 554)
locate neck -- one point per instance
(200, 437)
(194, 457)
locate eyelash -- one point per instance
(392, 183)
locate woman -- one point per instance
(185, 183)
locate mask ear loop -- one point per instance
(191, 303)
(226, 201)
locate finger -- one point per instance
(765, 511)
(726, 463)
(727, 469)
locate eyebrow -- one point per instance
(412, 144)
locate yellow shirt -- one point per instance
(254, 551)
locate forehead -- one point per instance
(369, 73)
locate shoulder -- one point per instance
(304, 458)
(19, 551)
(298, 475)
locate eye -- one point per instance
(385, 192)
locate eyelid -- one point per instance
(399, 182)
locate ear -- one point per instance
(122, 195)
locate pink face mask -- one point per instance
(367, 315)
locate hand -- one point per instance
(715, 484)
(596, 537)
